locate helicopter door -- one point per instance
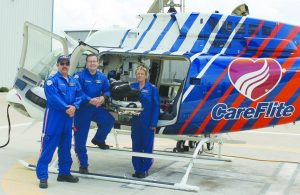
(41, 48)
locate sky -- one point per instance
(103, 14)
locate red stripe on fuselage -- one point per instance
(288, 63)
(267, 40)
(228, 91)
(240, 99)
(200, 104)
(241, 122)
(182, 129)
(285, 94)
(283, 44)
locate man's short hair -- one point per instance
(91, 55)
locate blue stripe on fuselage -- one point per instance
(124, 37)
(183, 32)
(164, 32)
(146, 31)
(205, 33)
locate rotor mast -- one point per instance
(159, 5)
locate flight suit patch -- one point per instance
(49, 82)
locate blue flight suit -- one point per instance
(141, 133)
(57, 126)
(92, 86)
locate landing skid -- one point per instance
(120, 179)
(182, 185)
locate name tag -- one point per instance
(71, 84)
(97, 81)
(144, 91)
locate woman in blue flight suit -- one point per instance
(144, 126)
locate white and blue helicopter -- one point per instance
(215, 73)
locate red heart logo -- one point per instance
(254, 78)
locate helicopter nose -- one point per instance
(15, 100)
(13, 97)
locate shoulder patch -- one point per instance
(49, 82)
(76, 76)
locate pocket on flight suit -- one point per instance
(72, 92)
(62, 88)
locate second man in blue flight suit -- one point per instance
(95, 88)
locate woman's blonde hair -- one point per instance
(143, 68)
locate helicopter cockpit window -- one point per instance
(266, 30)
(252, 29)
(213, 23)
(226, 28)
(241, 30)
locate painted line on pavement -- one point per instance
(273, 133)
(17, 125)
(282, 179)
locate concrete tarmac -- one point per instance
(268, 163)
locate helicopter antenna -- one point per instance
(88, 36)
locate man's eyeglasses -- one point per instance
(65, 63)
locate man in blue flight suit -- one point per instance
(63, 94)
(144, 126)
(95, 89)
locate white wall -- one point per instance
(13, 14)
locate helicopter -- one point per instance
(215, 73)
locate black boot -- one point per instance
(101, 145)
(140, 175)
(83, 170)
(43, 184)
(68, 178)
